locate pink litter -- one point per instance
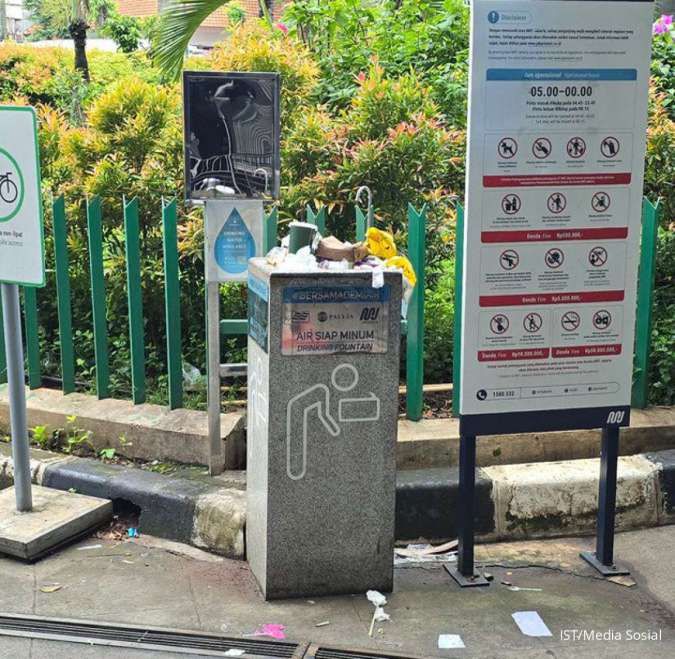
(273, 631)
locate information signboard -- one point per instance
(234, 234)
(21, 239)
(557, 125)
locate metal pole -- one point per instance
(213, 340)
(603, 557)
(467, 483)
(17, 396)
(464, 573)
(607, 495)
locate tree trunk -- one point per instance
(78, 32)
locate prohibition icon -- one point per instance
(532, 322)
(609, 147)
(602, 319)
(576, 147)
(541, 148)
(499, 324)
(556, 202)
(570, 321)
(507, 148)
(597, 257)
(600, 202)
(511, 204)
(509, 259)
(554, 258)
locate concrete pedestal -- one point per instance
(322, 424)
(57, 518)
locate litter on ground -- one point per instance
(531, 624)
(450, 642)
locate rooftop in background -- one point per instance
(212, 28)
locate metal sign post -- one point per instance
(28, 532)
(16, 380)
(231, 141)
(603, 557)
(233, 235)
(553, 205)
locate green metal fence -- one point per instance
(413, 327)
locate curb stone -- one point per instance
(512, 501)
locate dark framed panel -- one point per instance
(580, 418)
(232, 132)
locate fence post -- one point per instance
(174, 354)
(32, 337)
(63, 298)
(270, 230)
(457, 317)
(3, 359)
(318, 219)
(415, 340)
(98, 305)
(645, 300)
(135, 301)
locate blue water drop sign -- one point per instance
(235, 245)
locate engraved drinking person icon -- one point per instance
(319, 400)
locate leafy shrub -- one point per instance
(660, 158)
(440, 324)
(125, 31)
(662, 358)
(429, 37)
(253, 46)
(663, 65)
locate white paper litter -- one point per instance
(531, 624)
(450, 641)
(89, 547)
(235, 653)
(380, 615)
(376, 598)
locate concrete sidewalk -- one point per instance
(130, 582)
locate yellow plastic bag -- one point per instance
(404, 264)
(380, 243)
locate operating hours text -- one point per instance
(553, 90)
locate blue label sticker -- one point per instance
(235, 245)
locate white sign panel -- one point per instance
(234, 234)
(21, 239)
(557, 125)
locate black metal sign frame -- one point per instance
(232, 129)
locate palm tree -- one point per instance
(179, 21)
(77, 28)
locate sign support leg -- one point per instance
(17, 397)
(464, 574)
(603, 557)
(213, 368)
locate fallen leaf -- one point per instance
(623, 580)
(52, 588)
